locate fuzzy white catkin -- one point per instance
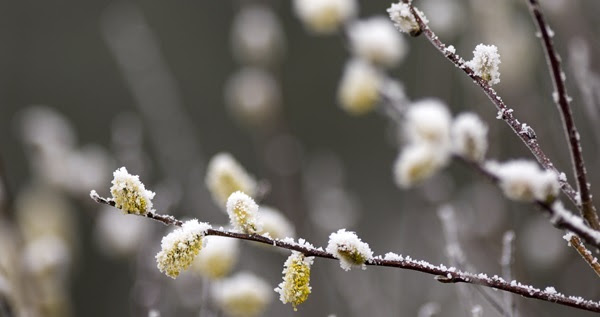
(242, 295)
(418, 162)
(129, 194)
(224, 176)
(428, 121)
(180, 247)
(376, 40)
(325, 16)
(524, 180)
(243, 213)
(349, 249)
(218, 257)
(469, 136)
(403, 18)
(295, 287)
(256, 35)
(253, 96)
(485, 63)
(275, 224)
(358, 91)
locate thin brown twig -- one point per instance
(522, 130)
(586, 254)
(443, 274)
(562, 101)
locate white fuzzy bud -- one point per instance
(275, 224)
(469, 136)
(218, 257)
(485, 63)
(242, 295)
(428, 121)
(358, 91)
(418, 162)
(324, 16)
(225, 176)
(349, 249)
(404, 20)
(377, 41)
(524, 180)
(243, 213)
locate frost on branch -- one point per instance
(243, 295)
(180, 247)
(404, 20)
(349, 249)
(218, 257)
(243, 213)
(469, 137)
(129, 194)
(524, 180)
(376, 41)
(225, 176)
(485, 63)
(358, 91)
(324, 16)
(295, 287)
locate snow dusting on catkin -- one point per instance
(295, 287)
(224, 176)
(349, 249)
(404, 20)
(129, 193)
(180, 247)
(524, 180)
(469, 136)
(243, 213)
(485, 63)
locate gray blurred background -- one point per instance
(143, 82)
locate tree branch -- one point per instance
(576, 243)
(522, 130)
(562, 101)
(443, 274)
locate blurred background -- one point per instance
(162, 86)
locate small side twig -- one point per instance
(442, 273)
(586, 254)
(562, 101)
(506, 262)
(504, 112)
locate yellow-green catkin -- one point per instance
(295, 287)
(180, 247)
(129, 193)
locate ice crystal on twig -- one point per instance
(349, 249)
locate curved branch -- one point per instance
(442, 273)
(562, 101)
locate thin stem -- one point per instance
(562, 101)
(442, 273)
(506, 262)
(522, 130)
(586, 254)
